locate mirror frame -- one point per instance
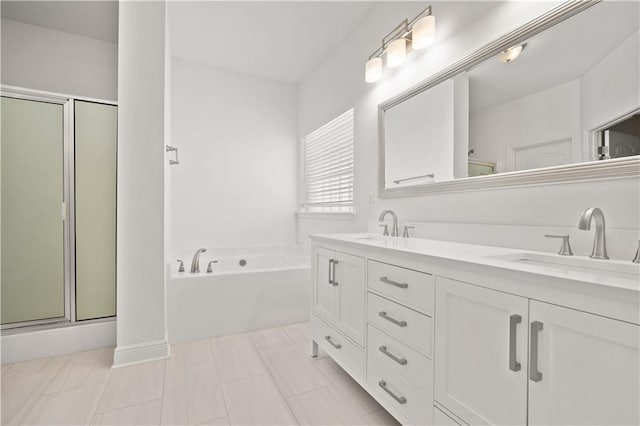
(587, 171)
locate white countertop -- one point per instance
(502, 258)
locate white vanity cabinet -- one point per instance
(588, 365)
(440, 337)
(339, 281)
(481, 353)
(498, 355)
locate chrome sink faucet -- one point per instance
(195, 263)
(599, 240)
(394, 229)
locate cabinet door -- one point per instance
(324, 292)
(350, 273)
(481, 353)
(588, 365)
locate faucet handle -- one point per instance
(181, 265)
(636, 259)
(385, 231)
(210, 266)
(565, 247)
(405, 232)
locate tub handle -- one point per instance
(210, 266)
(181, 265)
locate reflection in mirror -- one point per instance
(539, 109)
(424, 126)
(569, 94)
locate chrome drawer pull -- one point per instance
(401, 399)
(401, 361)
(514, 320)
(393, 283)
(534, 374)
(393, 320)
(335, 345)
(330, 271)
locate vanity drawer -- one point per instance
(410, 287)
(410, 327)
(399, 358)
(342, 350)
(412, 401)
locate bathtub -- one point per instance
(247, 290)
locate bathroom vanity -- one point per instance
(448, 333)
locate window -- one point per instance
(328, 167)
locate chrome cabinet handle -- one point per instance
(534, 374)
(330, 271)
(393, 283)
(401, 361)
(333, 278)
(401, 399)
(514, 320)
(335, 345)
(393, 320)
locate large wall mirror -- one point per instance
(556, 100)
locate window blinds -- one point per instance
(328, 171)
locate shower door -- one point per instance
(33, 212)
(58, 208)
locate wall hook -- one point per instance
(175, 149)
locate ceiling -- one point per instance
(276, 40)
(93, 19)
(555, 56)
(283, 40)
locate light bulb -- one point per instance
(396, 52)
(423, 32)
(373, 70)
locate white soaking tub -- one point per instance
(271, 288)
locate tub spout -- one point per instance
(195, 263)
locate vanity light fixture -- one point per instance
(511, 54)
(416, 33)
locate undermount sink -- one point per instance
(370, 239)
(569, 263)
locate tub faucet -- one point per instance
(394, 229)
(599, 244)
(195, 263)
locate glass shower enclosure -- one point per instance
(58, 208)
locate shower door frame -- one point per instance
(69, 231)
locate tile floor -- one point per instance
(263, 377)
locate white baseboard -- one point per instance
(27, 345)
(135, 354)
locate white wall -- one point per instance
(338, 83)
(236, 184)
(549, 115)
(141, 161)
(612, 87)
(54, 61)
